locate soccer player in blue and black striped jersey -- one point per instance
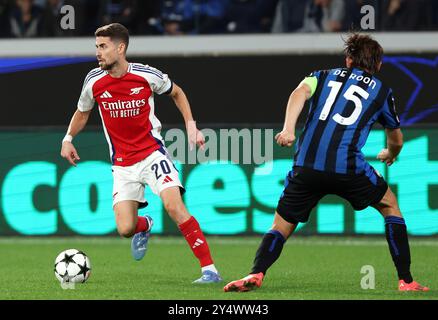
(344, 105)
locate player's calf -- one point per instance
(192, 232)
(397, 238)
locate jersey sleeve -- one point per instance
(388, 117)
(159, 81)
(86, 100)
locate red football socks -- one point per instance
(196, 240)
(142, 225)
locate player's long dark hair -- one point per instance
(365, 52)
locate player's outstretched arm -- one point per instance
(394, 138)
(195, 136)
(295, 105)
(77, 123)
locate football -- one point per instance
(72, 266)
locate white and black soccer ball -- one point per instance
(72, 266)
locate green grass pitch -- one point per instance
(309, 268)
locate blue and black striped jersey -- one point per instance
(345, 105)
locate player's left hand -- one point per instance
(196, 137)
(285, 138)
(385, 156)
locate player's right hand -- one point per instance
(285, 138)
(386, 156)
(68, 151)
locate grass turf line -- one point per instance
(309, 268)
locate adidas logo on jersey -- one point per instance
(106, 94)
(198, 242)
(167, 179)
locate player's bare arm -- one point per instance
(394, 139)
(77, 123)
(295, 105)
(195, 136)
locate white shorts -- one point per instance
(157, 171)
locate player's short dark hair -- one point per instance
(115, 31)
(365, 52)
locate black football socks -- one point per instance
(397, 238)
(268, 251)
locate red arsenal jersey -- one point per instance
(126, 106)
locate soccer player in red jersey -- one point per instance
(124, 93)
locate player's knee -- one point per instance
(125, 230)
(285, 230)
(388, 205)
(391, 200)
(176, 211)
(172, 207)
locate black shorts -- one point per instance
(304, 187)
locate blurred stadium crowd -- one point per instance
(41, 18)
